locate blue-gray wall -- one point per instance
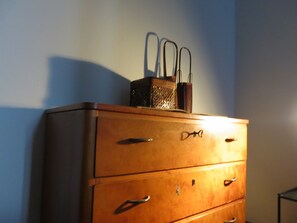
(66, 51)
(266, 94)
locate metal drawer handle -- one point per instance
(230, 139)
(194, 134)
(137, 140)
(231, 221)
(146, 199)
(134, 140)
(128, 204)
(228, 182)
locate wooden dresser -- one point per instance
(115, 164)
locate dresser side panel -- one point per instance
(69, 164)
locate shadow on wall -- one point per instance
(22, 132)
(75, 81)
(21, 162)
(35, 167)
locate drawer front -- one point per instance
(174, 143)
(173, 194)
(229, 213)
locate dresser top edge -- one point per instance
(139, 110)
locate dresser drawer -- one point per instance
(229, 213)
(173, 194)
(172, 143)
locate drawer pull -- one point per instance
(129, 204)
(146, 199)
(137, 140)
(228, 182)
(230, 139)
(194, 134)
(231, 221)
(134, 140)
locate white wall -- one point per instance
(65, 51)
(266, 93)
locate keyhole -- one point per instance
(177, 191)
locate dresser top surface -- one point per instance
(141, 110)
